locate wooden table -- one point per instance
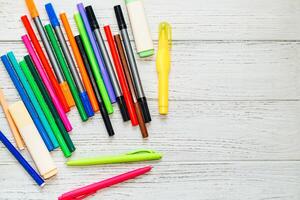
(233, 130)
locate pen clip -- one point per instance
(141, 151)
(165, 33)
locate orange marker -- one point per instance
(79, 61)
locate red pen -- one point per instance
(85, 191)
(121, 76)
(45, 63)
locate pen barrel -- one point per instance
(163, 93)
(21, 160)
(140, 28)
(93, 63)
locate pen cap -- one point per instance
(52, 15)
(32, 8)
(120, 17)
(140, 27)
(92, 18)
(33, 140)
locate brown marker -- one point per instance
(124, 63)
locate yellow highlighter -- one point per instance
(163, 65)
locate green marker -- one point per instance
(33, 99)
(66, 71)
(46, 109)
(93, 62)
(135, 156)
(47, 98)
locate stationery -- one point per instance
(134, 156)
(34, 175)
(66, 72)
(27, 103)
(96, 50)
(82, 93)
(33, 141)
(47, 83)
(32, 99)
(51, 55)
(18, 139)
(163, 65)
(93, 63)
(120, 73)
(140, 27)
(137, 106)
(88, 190)
(58, 93)
(85, 78)
(132, 64)
(107, 62)
(102, 109)
(45, 109)
(47, 98)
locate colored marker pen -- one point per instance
(132, 63)
(93, 62)
(46, 65)
(64, 65)
(97, 53)
(51, 55)
(121, 76)
(32, 99)
(47, 98)
(47, 83)
(34, 175)
(114, 81)
(85, 78)
(87, 65)
(82, 92)
(26, 101)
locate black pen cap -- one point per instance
(120, 17)
(91, 17)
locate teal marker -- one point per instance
(134, 156)
(32, 98)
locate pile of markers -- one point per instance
(50, 85)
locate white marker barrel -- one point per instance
(140, 28)
(33, 140)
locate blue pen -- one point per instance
(21, 160)
(97, 53)
(32, 98)
(26, 101)
(82, 92)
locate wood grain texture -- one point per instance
(192, 20)
(207, 70)
(233, 130)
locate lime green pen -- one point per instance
(93, 62)
(134, 156)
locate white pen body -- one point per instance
(140, 28)
(33, 140)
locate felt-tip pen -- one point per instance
(132, 63)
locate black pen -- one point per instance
(102, 109)
(132, 64)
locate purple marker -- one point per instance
(99, 58)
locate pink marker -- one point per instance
(85, 191)
(47, 83)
